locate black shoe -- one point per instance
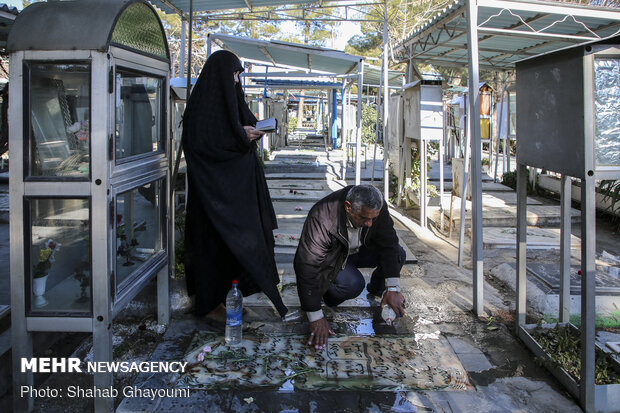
(376, 288)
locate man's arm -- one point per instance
(385, 242)
(311, 252)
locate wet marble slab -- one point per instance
(379, 363)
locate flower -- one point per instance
(201, 356)
(46, 258)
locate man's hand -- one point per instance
(319, 331)
(253, 133)
(395, 300)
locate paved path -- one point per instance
(499, 370)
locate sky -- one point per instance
(344, 32)
(13, 3)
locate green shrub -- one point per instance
(369, 123)
(610, 189)
(292, 123)
(510, 179)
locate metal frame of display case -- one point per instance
(558, 133)
(105, 179)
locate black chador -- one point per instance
(230, 217)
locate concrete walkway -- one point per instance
(501, 372)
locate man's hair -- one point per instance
(365, 196)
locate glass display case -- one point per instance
(59, 101)
(138, 114)
(89, 205)
(569, 110)
(569, 123)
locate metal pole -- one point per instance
(565, 233)
(588, 248)
(499, 126)
(208, 45)
(188, 88)
(465, 181)
(189, 50)
(588, 274)
(344, 142)
(182, 51)
(476, 156)
(358, 144)
(335, 120)
(521, 308)
(21, 338)
(377, 128)
(386, 97)
(102, 284)
(441, 183)
(423, 173)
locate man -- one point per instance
(348, 229)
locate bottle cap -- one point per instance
(235, 282)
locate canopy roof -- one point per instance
(294, 84)
(89, 25)
(7, 16)
(373, 74)
(281, 53)
(508, 31)
(311, 58)
(182, 6)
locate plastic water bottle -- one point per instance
(234, 314)
(388, 314)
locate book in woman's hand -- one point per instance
(267, 125)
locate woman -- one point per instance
(230, 219)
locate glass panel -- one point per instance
(139, 230)
(607, 109)
(485, 128)
(512, 112)
(139, 28)
(59, 102)
(60, 256)
(138, 114)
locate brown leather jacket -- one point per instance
(324, 247)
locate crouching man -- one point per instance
(348, 229)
